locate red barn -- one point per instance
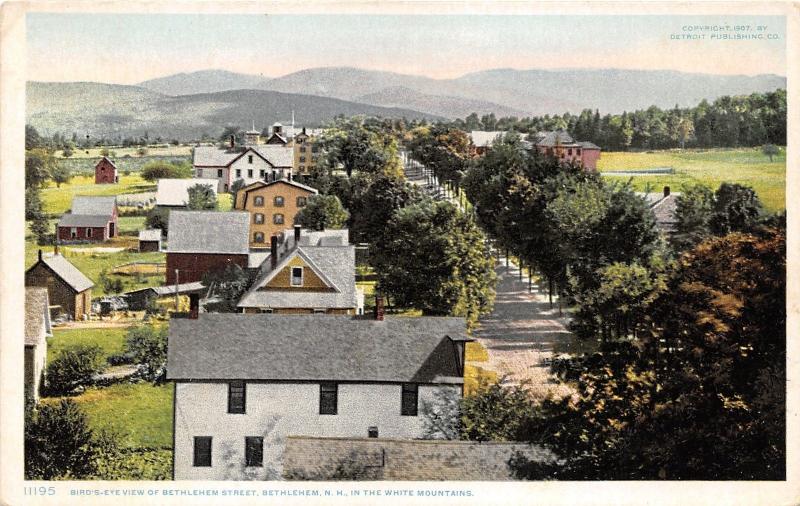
(92, 219)
(561, 146)
(105, 172)
(205, 241)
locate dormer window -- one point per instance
(297, 276)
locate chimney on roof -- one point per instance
(233, 142)
(55, 248)
(304, 130)
(273, 251)
(297, 229)
(379, 310)
(40, 253)
(290, 176)
(666, 191)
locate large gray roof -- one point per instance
(314, 348)
(336, 263)
(209, 232)
(84, 220)
(550, 139)
(67, 272)
(175, 192)
(93, 205)
(37, 314)
(212, 156)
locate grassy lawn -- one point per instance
(58, 200)
(224, 201)
(139, 413)
(747, 166)
(94, 153)
(111, 340)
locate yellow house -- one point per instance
(314, 275)
(273, 207)
(306, 153)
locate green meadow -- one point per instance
(712, 167)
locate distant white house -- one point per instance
(175, 192)
(37, 329)
(251, 163)
(244, 383)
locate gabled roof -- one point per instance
(332, 260)
(148, 234)
(97, 206)
(37, 315)
(664, 209)
(551, 139)
(163, 291)
(175, 192)
(588, 145)
(107, 159)
(263, 184)
(211, 156)
(68, 273)
(84, 220)
(209, 232)
(314, 348)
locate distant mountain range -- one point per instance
(188, 104)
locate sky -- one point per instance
(130, 48)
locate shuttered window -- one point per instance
(236, 397)
(410, 396)
(202, 451)
(254, 451)
(328, 398)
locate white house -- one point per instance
(251, 163)
(244, 383)
(37, 329)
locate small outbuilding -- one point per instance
(67, 287)
(105, 172)
(150, 240)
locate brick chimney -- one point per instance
(40, 255)
(233, 142)
(379, 310)
(273, 251)
(666, 191)
(297, 229)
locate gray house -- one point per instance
(244, 383)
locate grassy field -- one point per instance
(747, 166)
(166, 150)
(58, 200)
(111, 340)
(140, 413)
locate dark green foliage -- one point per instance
(443, 149)
(110, 285)
(155, 170)
(58, 443)
(373, 207)
(158, 217)
(39, 163)
(497, 413)
(321, 212)
(357, 146)
(736, 208)
(201, 197)
(75, 366)
(434, 258)
(693, 212)
(32, 138)
(770, 150)
(147, 345)
(236, 186)
(227, 285)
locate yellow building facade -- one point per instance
(272, 206)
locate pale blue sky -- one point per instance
(128, 48)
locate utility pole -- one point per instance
(177, 274)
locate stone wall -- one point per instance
(392, 459)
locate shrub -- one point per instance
(75, 366)
(148, 346)
(58, 442)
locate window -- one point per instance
(278, 201)
(89, 232)
(315, 149)
(253, 451)
(236, 397)
(202, 451)
(372, 432)
(73, 232)
(219, 172)
(277, 219)
(302, 167)
(409, 400)
(267, 310)
(302, 149)
(238, 172)
(261, 173)
(301, 201)
(302, 159)
(328, 398)
(258, 237)
(199, 172)
(297, 276)
(258, 202)
(249, 172)
(578, 151)
(320, 310)
(249, 158)
(258, 218)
